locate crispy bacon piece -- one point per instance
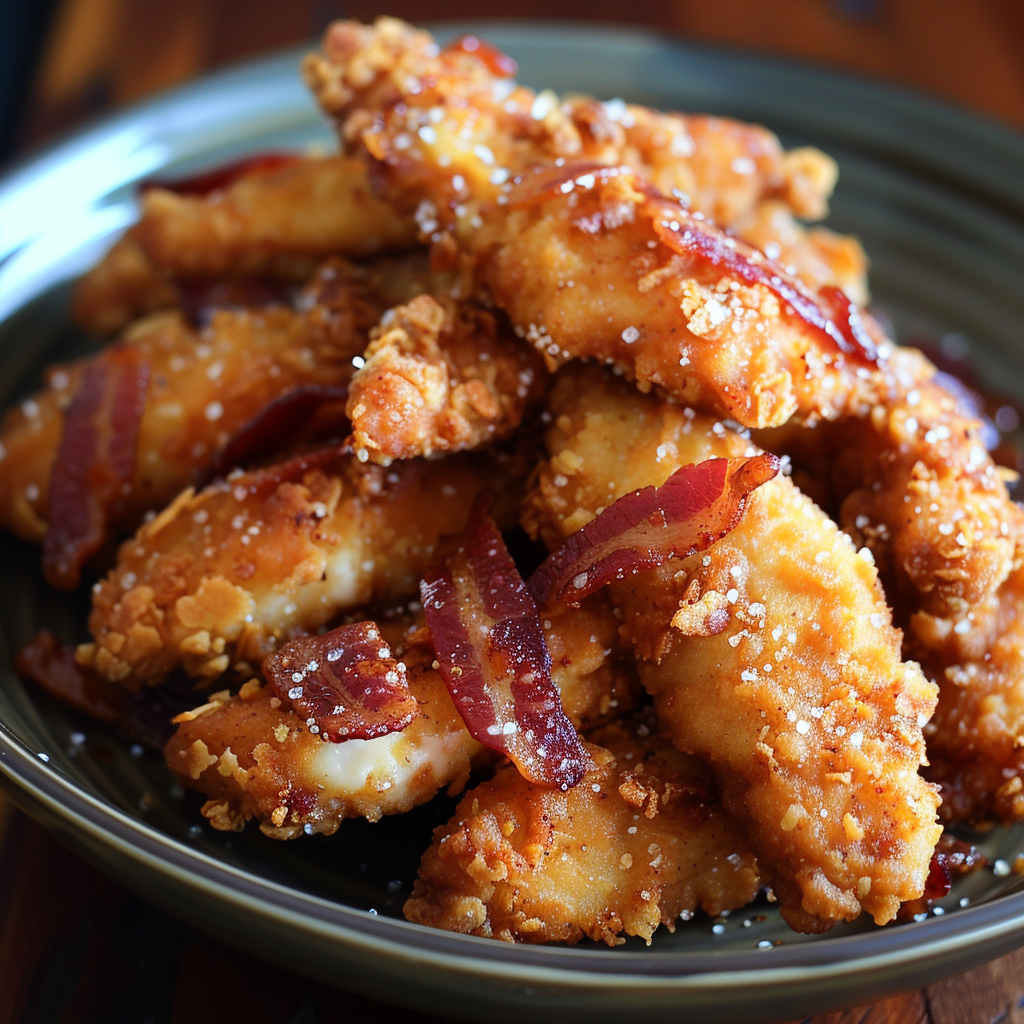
(493, 657)
(218, 178)
(345, 684)
(200, 298)
(273, 427)
(696, 506)
(52, 666)
(95, 460)
(830, 314)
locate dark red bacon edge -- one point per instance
(52, 666)
(200, 298)
(696, 506)
(493, 657)
(345, 684)
(219, 178)
(276, 426)
(830, 313)
(95, 461)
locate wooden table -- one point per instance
(74, 945)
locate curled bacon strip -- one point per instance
(274, 427)
(829, 313)
(345, 684)
(696, 506)
(95, 461)
(493, 657)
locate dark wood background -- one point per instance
(74, 946)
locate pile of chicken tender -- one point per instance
(534, 448)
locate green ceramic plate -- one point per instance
(938, 198)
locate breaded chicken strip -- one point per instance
(588, 259)
(801, 704)
(641, 841)
(440, 376)
(278, 221)
(912, 480)
(205, 383)
(255, 758)
(220, 577)
(433, 114)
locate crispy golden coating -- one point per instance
(271, 222)
(277, 223)
(641, 841)
(585, 267)
(220, 577)
(975, 738)
(911, 480)
(801, 704)
(205, 384)
(440, 376)
(621, 295)
(255, 758)
(433, 116)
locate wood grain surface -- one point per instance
(75, 947)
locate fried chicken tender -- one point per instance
(204, 385)
(218, 578)
(587, 262)
(255, 758)
(801, 704)
(912, 480)
(430, 115)
(641, 841)
(279, 222)
(440, 377)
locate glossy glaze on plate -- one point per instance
(937, 198)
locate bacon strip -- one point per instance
(95, 461)
(218, 178)
(52, 666)
(696, 506)
(493, 656)
(201, 298)
(345, 684)
(830, 313)
(274, 427)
